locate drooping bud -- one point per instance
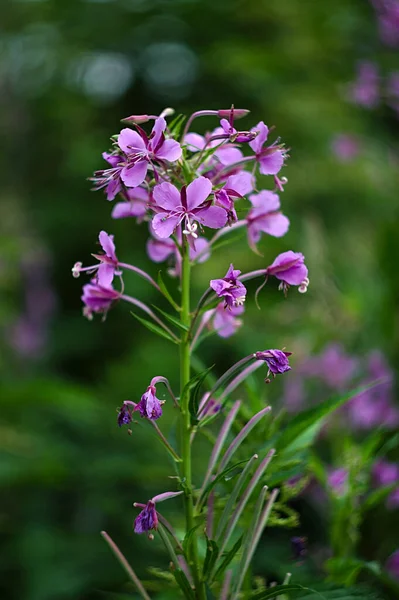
(276, 360)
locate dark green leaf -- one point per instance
(276, 591)
(188, 536)
(228, 557)
(184, 584)
(166, 292)
(195, 384)
(155, 328)
(227, 474)
(172, 319)
(212, 551)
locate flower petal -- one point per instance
(157, 131)
(129, 141)
(164, 224)
(242, 183)
(160, 250)
(167, 196)
(107, 244)
(198, 191)
(266, 200)
(263, 132)
(194, 142)
(214, 217)
(271, 163)
(132, 176)
(170, 150)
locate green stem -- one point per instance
(186, 421)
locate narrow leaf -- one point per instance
(212, 552)
(227, 474)
(235, 444)
(228, 558)
(195, 384)
(166, 292)
(276, 590)
(172, 319)
(188, 537)
(155, 329)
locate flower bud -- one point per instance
(136, 119)
(238, 113)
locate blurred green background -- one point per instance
(69, 70)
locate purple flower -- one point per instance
(276, 360)
(229, 288)
(270, 158)
(290, 269)
(392, 565)
(149, 406)
(345, 147)
(334, 366)
(236, 186)
(147, 519)
(109, 178)
(141, 151)
(124, 415)
(225, 154)
(189, 206)
(233, 134)
(365, 89)
(137, 200)
(107, 268)
(225, 322)
(338, 481)
(385, 473)
(393, 499)
(299, 546)
(265, 217)
(97, 299)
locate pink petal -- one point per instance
(107, 244)
(105, 274)
(124, 210)
(170, 150)
(129, 141)
(133, 176)
(113, 188)
(160, 250)
(266, 200)
(263, 132)
(271, 163)
(228, 155)
(214, 217)
(157, 130)
(194, 142)
(241, 183)
(202, 250)
(198, 191)
(275, 224)
(164, 224)
(167, 196)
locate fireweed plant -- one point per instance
(188, 189)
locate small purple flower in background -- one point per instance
(265, 217)
(135, 205)
(384, 474)
(337, 480)
(334, 366)
(270, 158)
(141, 150)
(345, 147)
(98, 299)
(299, 547)
(189, 206)
(124, 415)
(289, 267)
(392, 565)
(365, 90)
(106, 270)
(388, 21)
(147, 519)
(149, 406)
(276, 360)
(392, 90)
(229, 288)
(393, 499)
(225, 322)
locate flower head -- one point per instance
(225, 322)
(338, 481)
(276, 360)
(235, 187)
(265, 217)
(289, 267)
(189, 205)
(365, 89)
(135, 205)
(299, 546)
(97, 298)
(149, 406)
(140, 151)
(107, 267)
(229, 288)
(147, 519)
(270, 158)
(124, 415)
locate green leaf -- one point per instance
(227, 474)
(176, 124)
(188, 536)
(184, 584)
(155, 328)
(228, 557)
(377, 496)
(166, 292)
(212, 551)
(172, 319)
(195, 384)
(304, 427)
(276, 591)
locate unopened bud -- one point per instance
(238, 113)
(243, 136)
(136, 119)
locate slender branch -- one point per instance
(142, 274)
(126, 565)
(165, 442)
(149, 312)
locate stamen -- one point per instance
(76, 269)
(304, 286)
(239, 301)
